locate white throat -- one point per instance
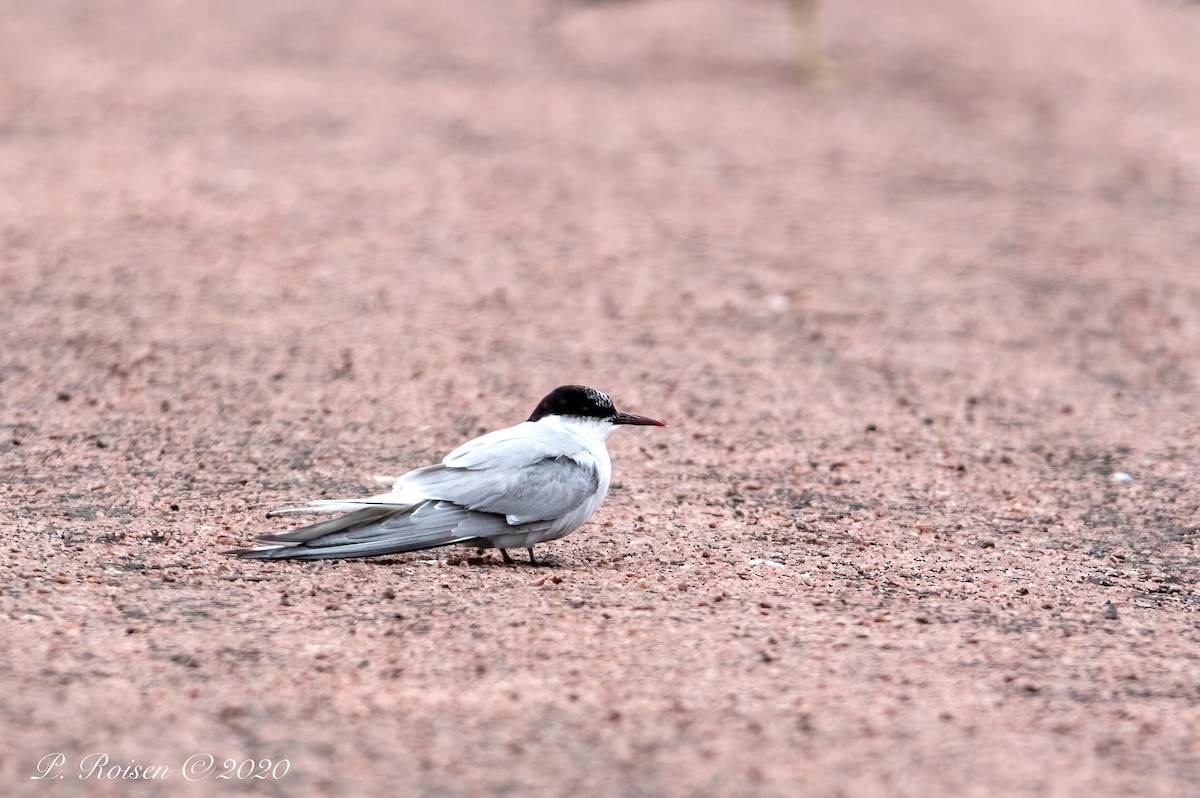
(592, 429)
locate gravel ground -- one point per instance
(927, 332)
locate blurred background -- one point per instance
(446, 200)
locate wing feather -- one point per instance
(540, 491)
(521, 473)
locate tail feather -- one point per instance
(337, 505)
(382, 529)
(314, 531)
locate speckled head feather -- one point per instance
(575, 400)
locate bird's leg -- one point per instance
(531, 560)
(504, 554)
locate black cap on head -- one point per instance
(574, 400)
(584, 402)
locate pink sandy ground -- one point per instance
(906, 321)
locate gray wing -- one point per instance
(514, 447)
(543, 490)
(381, 529)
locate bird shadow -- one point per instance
(486, 561)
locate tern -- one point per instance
(513, 488)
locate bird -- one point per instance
(516, 487)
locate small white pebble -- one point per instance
(1121, 476)
(772, 563)
(778, 303)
